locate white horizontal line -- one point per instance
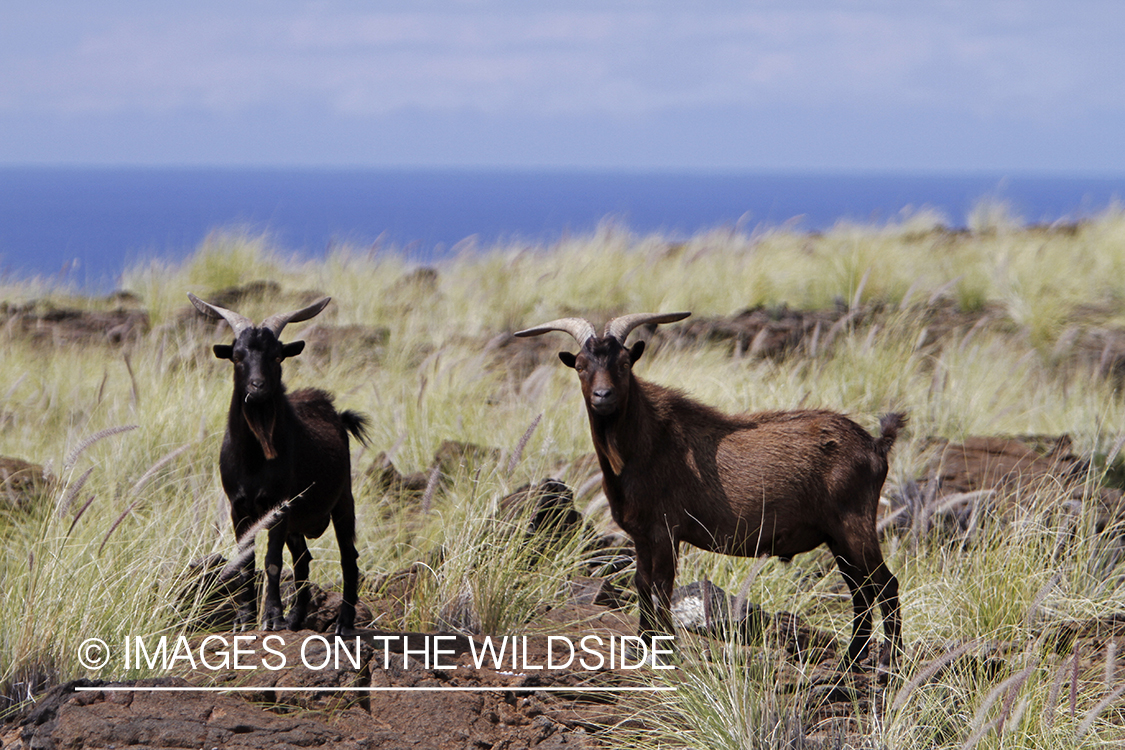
(452, 689)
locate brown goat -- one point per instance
(774, 483)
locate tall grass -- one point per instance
(107, 549)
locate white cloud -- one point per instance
(1038, 60)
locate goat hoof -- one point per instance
(345, 623)
(884, 671)
(295, 622)
(854, 663)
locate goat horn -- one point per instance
(620, 328)
(277, 322)
(581, 329)
(237, 322)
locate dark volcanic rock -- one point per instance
(601, 591)
(801, 639)
(43, 322)
(455, 455)
(65, 718)
(21, 483)
(351, 342)
(999, 475)
(764, 331)
(521, 356)
(548, 506)
(451, 458)
(384, 477)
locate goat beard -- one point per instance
(263, 433)
(606, 444)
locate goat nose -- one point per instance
(602, 393)
(257, 383)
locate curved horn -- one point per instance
(580, 328)
(277, 322)
(237, 322)
(620, 328)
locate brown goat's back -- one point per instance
(777, 483)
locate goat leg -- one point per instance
(887, 592)
(343, 523)
(663, 580)
(273, 611)
(863, 601)
(246, 595)
(662, 576)
(299, 549)
(656, 576)
(646, 607)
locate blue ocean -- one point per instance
(85, 225)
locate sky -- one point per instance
(794, 85)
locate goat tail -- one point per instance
(889, 425)
(356, 424)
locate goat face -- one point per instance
(604, 368)
(257, 356)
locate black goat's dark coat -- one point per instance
(285, 463)
(312, 469)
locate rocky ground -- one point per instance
(463, 706)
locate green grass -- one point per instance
(119, 568)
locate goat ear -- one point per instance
(636, 352)
(568, 359)
(292, 349)
(223, 351)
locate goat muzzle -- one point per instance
(604, 402)
(257, 393)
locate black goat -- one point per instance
(774, 483)
(287, 451)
